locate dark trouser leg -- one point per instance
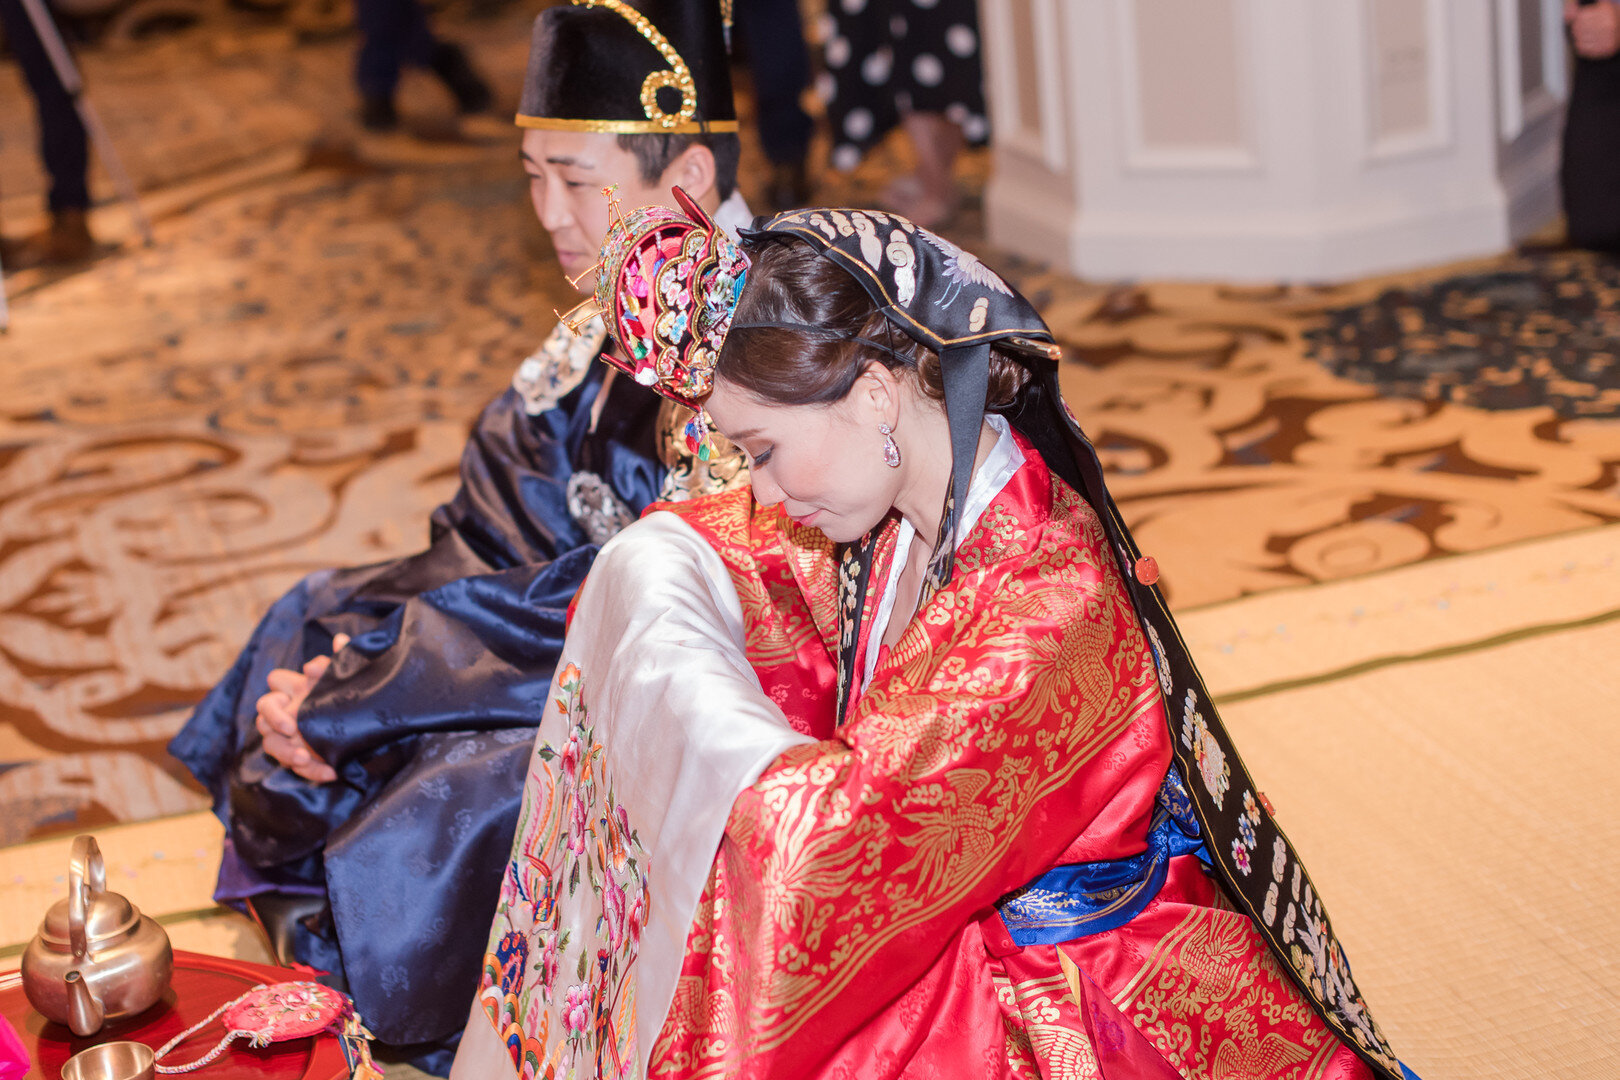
(63, 144)
(1590, 173)
(393, 33)
(780, 64)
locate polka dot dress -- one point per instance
(888, 57)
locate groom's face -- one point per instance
(567, 171)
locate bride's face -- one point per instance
(823, 463)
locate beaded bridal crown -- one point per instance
(667, 287)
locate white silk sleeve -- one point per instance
(657, 639)
(691, 725)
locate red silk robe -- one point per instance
(848, 928)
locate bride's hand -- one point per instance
(277, 718)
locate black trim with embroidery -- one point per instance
(1253, 860)
(854, 582)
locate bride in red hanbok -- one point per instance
(895, 766)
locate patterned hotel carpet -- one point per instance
(283, 383)
(1540, 329)
(1245, 466)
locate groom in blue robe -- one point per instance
(370, 797)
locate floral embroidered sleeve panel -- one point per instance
(656, 719)
(982, 747)
(787, 586)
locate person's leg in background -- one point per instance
(779, 61)
(1590, 171)
(390, 30)
(64, 148)
(928, 196)
(394, 33)
(942, 104)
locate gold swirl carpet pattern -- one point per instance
(1244, 466)
(154, 500)
(1541, 329)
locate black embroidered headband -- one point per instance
(940, 296)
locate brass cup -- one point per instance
(111, 1061)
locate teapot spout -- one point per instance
(85, 1012)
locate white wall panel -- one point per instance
(1258, 139)
(1531, 73)
(1409, 102)
(1184, 84)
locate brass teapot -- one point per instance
(96, 958)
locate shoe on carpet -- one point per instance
(906, 195)
(451, 65)
(65, 242)
(378, 114)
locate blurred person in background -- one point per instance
(394, 33)
(913, 63)
(779, 64)
(63, 147)
(1590, 173)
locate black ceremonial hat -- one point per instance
(656, 67)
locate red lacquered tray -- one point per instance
(201, 984)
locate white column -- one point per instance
(1266, 139)
(1533, 81)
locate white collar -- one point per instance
(993, 473)
(733, 214)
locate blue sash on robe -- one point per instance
(1080, 899)
(1073, 901)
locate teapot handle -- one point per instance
(87, 877)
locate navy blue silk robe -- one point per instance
(429, 713)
